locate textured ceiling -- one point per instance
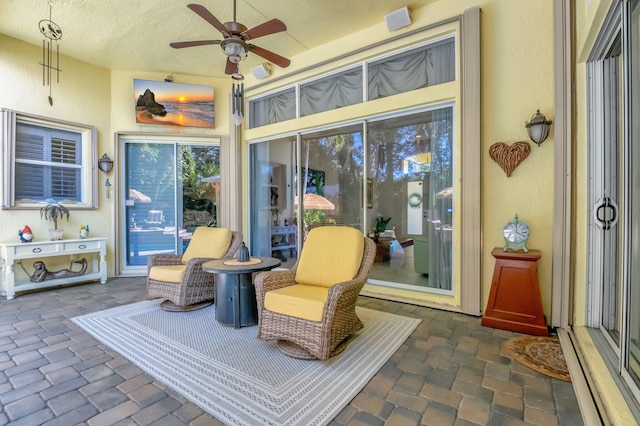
(135, 34)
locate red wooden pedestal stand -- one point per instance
(514, 301)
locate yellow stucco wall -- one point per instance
(516, 79)
(93, 96)
(517, 71)
(82, 96)
(516, 76)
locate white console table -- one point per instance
(15, 253)
(285, 239)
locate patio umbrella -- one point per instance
(136, 195)
(215, 182)
(315, 202)
(445, 193)
(211, 179)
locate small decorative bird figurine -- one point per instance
(26, 236)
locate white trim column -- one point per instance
(563, 168)
(471, 244)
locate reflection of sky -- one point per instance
(173, 91)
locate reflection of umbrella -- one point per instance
(215, 181)
(211, 179)
(316, 202)
(136, 195)
(445, 193)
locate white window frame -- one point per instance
(10, 120)
(363, 65)
(468, 72)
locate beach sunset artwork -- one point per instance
(173, 104)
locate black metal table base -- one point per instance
(234, 290)
(235, 300)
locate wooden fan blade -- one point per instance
(280, 61)
(230, 68)
(183, 44)
(204, 13)
(270, 27)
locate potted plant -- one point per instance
(54, 212)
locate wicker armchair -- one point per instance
(327, 336)
(180, 279)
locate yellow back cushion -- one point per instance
(331, 254)
(209, 243)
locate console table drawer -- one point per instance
(281, 230)
(82, 245)
(30, 249)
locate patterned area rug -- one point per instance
(542, 354)
(238, 378)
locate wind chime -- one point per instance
(52, 33)
(237, 92)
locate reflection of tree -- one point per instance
(315, 181)
(393, 141)
(197, 163)
(313, 216)
(151, 171)
(340, 156)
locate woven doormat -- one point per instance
(542, 354)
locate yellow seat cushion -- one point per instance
(331, 254)
(167, 273)
(300, 301)
(208, 243)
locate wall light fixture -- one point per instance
(538, 127)
(105, 163)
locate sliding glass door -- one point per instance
(330, 176)
(390, 177)
(273, 218)
(614, 193)
(169, 189)
(410, 209)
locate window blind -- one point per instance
(48, 164)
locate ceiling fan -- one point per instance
(235, 38)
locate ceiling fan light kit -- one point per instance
(235, 49)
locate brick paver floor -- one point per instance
(450, 371)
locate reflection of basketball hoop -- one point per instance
(415, 200)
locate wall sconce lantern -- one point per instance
(105, 163)
(538, 127)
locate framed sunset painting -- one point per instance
(173, 104)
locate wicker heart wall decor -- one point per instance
(509, 156)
